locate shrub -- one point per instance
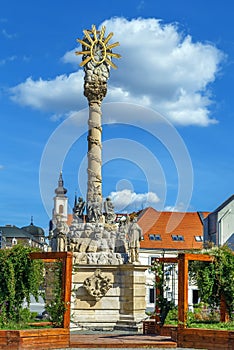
(215, 280)
(20, 277)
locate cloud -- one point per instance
(8, 35)
(160, 68)
(179, 208)
(127, 200)
(141, 5)
(63, 94)
(1, 167)
(8, 59)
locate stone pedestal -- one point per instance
(120, 306)
(133, 303)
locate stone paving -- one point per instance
(116, 340)
(120, 341)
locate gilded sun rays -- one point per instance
(97, 48)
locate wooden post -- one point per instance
(66, 286)
(224, 317)
(183, 260)
(182, 290)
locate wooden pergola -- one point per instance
(183, 261)
(66, 259)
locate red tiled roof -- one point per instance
(167, 224)
(69, 219)
(189, 225)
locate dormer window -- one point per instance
(14, 241)
(155, 237)
(198, 238)
(177, 237)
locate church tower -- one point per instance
(60, 202)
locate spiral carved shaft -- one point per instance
(94, 154)
(96, 59)
(95, 88)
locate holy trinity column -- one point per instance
(96, 59)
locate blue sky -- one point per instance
(168, 113)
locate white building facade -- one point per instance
(170, 280)
(219, 225)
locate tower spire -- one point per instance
(60, 190)
(60, 202)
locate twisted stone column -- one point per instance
(96, 60)
(95, 92)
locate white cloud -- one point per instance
(71, 57)
(8, 35)
(1, 167)
(141, 5)
(8, 59)
(160, 68)
(63, 94)
(179, 208)
(127, 200)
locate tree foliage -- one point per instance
(20, 277)
(215, 280)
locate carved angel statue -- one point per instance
(134, 237)
(78, 210)
(109, 211)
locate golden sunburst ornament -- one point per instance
(96, 47)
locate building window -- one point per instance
(155, 237)
(198, 238)
(61, 209)
(195, 296)
(152, 259)
(169, 296)
(14, 241)
(177, 237)
(151, 295)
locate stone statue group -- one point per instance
(99, 241)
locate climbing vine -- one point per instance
(162, 304)
(54, 303)
(20, 277)
(215, 280)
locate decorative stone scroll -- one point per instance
(97, 285)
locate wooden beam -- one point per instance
(198, 257)
(168, 260)
(49, 255)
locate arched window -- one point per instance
(61, 209)
(14, 241)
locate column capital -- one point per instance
(95, 91)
